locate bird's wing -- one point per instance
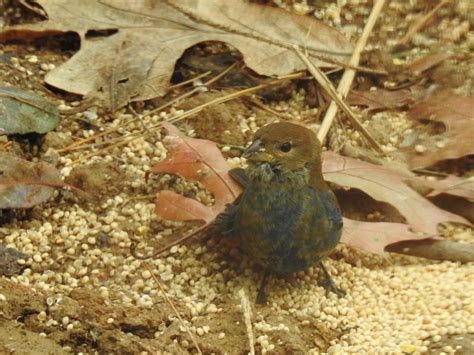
(239, 175)
(224, 222)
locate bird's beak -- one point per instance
(255, 153)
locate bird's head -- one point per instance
(285, 147)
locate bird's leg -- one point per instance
(329, 282)
(261, 296)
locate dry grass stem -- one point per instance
(244, 302)
(349, 74)
(180, 116)
(134, 244)
(189, 81)
(421, 23)
(195, 90)
(171, 304)
(329, 88)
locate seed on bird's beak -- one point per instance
(256, 153)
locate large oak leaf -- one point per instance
(129, 48)
(387, 185)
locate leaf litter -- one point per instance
(198, 160)
(24, 184)
(160, 32)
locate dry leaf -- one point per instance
(24, 112)
(129, 48)
(380, 100)
(197, 160)
(387, 185)
(375, 236)
(452, 185)
(24, 184)
(457, 114)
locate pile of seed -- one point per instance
(392, 305)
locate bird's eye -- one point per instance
(285, 147)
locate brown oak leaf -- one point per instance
(387, 185)
(129, 49)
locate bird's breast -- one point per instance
(287, 228)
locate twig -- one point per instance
(142, 122)
(168, 300)
(329, 88)
(196, 89)
(5, 145)
(134, 244)
(78, 143)
(183, 115)
(200, 76)
(421, 23)
(435, 249)
(349, 74)
(244, 302)
(257, 103)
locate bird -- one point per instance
(287, 218)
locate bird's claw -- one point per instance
(330, 286)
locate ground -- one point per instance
(78, 289)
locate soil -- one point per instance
(70, 285)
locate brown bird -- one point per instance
(287, 218)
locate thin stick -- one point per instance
(435, 249)
(244, 302)
(88, 139)
(421, 23)
(257, 103)
(200, 76)
(168, 300)
(329, 88)
(349, 74)
(196, 89)
(95, 136)
(191, 112)
(134, 244)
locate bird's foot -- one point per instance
(329, 283)
(330, 286)
(262, 296)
